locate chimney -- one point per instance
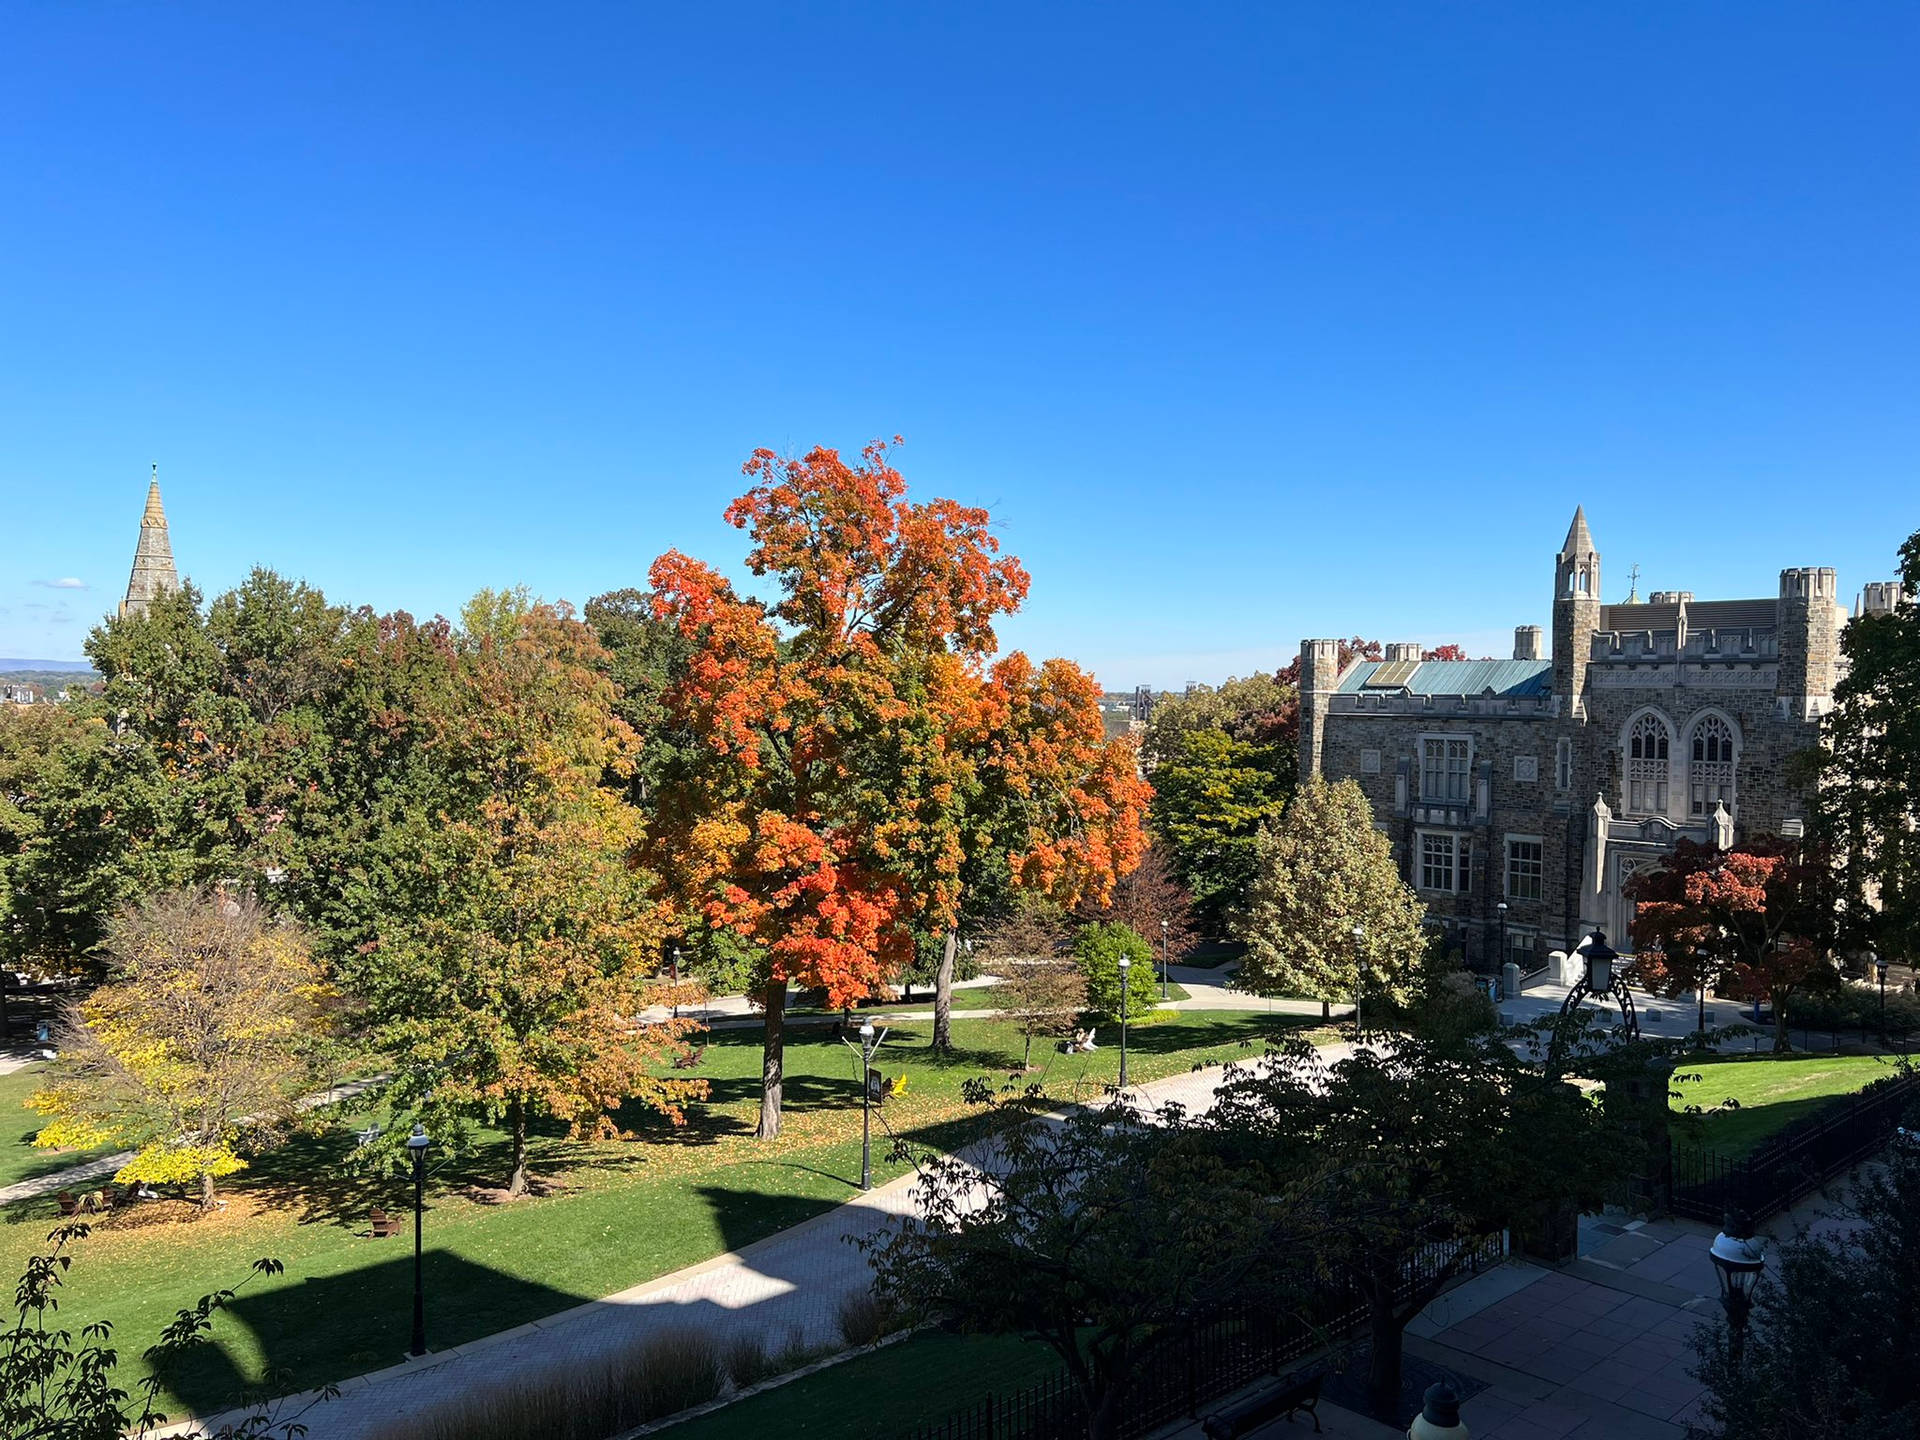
(1403, 650)
(1526, 642)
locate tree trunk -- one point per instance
(943, 995)
(1383, 1370)
(1782, 1045)
(772, 1060)
(517, 1164)
(1026, 1056)
(206, 1192)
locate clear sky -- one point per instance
(1247, 322)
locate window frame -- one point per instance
(1539, 876)
(1425, 862)
(1446, 770)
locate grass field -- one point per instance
(613, 1215)
(882, 1393)
(18, 1125)
(1772, 1091)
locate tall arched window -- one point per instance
(1710, 764)
(1648, 744)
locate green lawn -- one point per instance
(18, 1125)
(618, 1214)
(1772, 1091)
(884, 1392)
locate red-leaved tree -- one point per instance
(1757, 921)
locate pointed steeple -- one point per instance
(1579, 538)
(153, 573)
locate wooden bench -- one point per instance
(383, 1224)
(1285, 1400)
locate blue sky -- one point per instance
(1247, 322)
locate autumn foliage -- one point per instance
(859, 752)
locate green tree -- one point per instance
(1417, 1150)
(1212, 794)
(1321, 872)
(1098, 949)
(1868, 799)
(1084, 1233)
(514, 933)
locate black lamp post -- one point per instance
(1502, 908)
(870, 1042)
(1359, 974)
(1879, 964)
(1738, 1260)
(1163, 958)
(417, 1148)
(1126, 964)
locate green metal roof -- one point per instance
(1517, 678)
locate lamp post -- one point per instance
(870, 1043)
(417, 1148)
(676, 982)
(1359, 976)
(1738, 1260)
(1126, 964)
(1879, 964)
(1163, 958)
(1502, 908)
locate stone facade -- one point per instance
(1544, 783)
(153, 573)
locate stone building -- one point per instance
(1546, 780)
(153, 573)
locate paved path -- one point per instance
(785, 1288)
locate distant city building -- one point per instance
(1548, 780)
(153, 573)
(1142, 703)
(20, 692)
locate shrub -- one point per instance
(1854, 1007)
(863, 1318)
(655, 1376)
(1455, 1009)
(1098, 948)
(747, 1361)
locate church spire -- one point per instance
(1579, 538)
(153, 573)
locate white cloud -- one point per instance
(67, 584)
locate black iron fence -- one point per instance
(1797, 1161)
(1213, 1357)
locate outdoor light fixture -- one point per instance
(1439, 1417)
(1879, 964)
(1502, 908)
(1163, 958)
(1738, 1260)
(1126, 964)
(1598, 977)
(417, 1144)
(870, 1042)
(1359, 944)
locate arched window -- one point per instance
(1563, 765)
(1648, 743)
(1710, 765)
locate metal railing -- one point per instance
(1705, 1183)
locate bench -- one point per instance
(383, 1224)
(1282, 1401)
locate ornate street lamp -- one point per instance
(1738, 1260)
(417, 1148)
(1359, 975)
(1126, 964)
(1439, 1417)
(1502, 908)
(869, 1047)
(1163, 958)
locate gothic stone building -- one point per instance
(1545, 781)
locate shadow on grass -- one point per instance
(349, 1323)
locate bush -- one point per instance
(863, 1318)
(656, 1376)
(747, 1362)
(1454, 1009)
(1854, 1007)
(1098, 949)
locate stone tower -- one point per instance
(1319, 675)
(1576, 613)
(1810, 617)
(153, 573)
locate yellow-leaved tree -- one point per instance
(205, 1029)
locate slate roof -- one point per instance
(1462, 677)
(1732, 614)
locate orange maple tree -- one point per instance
(848, 732)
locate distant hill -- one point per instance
(13, 668)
